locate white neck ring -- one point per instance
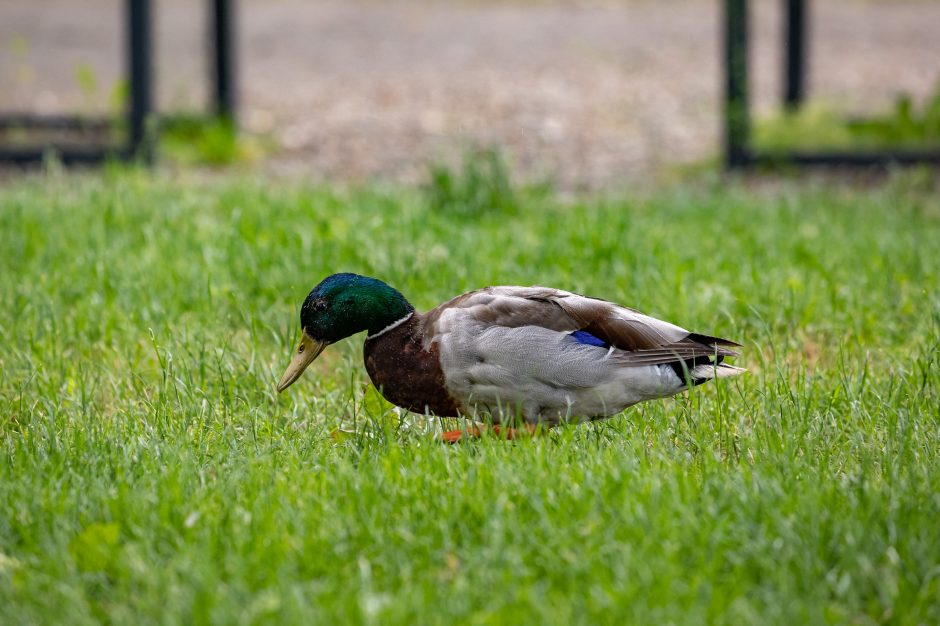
(394, 324)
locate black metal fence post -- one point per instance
(223, 18)
(141, 78)
(795, 67)
(737, 122)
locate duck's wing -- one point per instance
(638, 338)
(645, 340)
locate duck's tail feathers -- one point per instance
(700, 373)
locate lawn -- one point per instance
(150, 474)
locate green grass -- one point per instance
(150, 474)
(192, 139)
(906, 126)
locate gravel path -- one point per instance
(595, 94)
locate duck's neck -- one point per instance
(383, 306)
(402, 320)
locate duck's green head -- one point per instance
(340, 306)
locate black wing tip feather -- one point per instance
(708, 340)
(683, 369)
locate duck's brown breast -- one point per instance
(407, 374)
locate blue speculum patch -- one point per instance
(582, 336)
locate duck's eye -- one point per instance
(319, 305)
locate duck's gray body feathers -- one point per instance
(514, 349)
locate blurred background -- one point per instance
(591, 94)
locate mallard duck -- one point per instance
(542, 354)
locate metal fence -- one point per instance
(139, 113)
(738, 151)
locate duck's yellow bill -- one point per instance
(308, 350)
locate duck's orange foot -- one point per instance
(456, 436)
(475, 432)
(451, 436)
